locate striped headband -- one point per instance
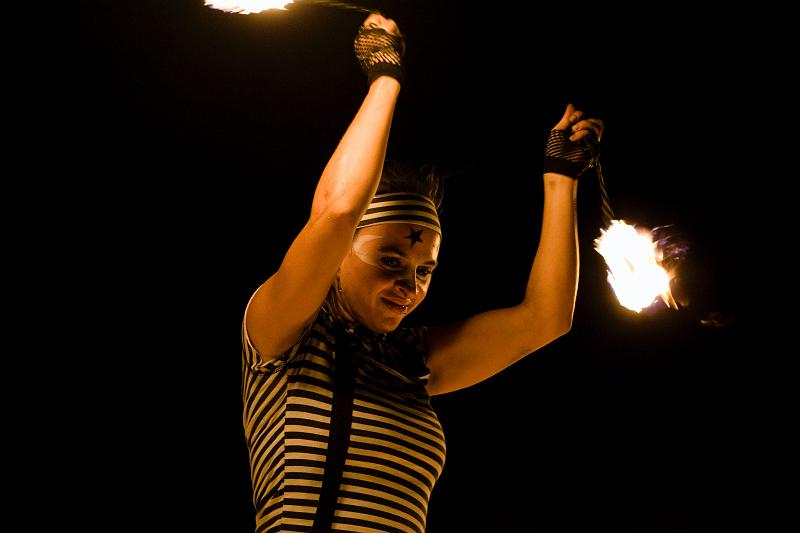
(401, 207)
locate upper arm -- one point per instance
(474, 349)
(288, 301)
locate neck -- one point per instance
(337, 305)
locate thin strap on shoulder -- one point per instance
(339, 439)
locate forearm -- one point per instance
(553, 282)
(471, 350)
(351, 176)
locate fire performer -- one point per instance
(337, 414)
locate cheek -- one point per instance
(364, 279)
(385, 276)
(422, 292)
(355, 277)
(422, 287)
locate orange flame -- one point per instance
(635, 269)
(246, 7)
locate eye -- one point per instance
(390, 262)
(424, 272)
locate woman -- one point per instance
(337, 413)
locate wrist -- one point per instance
(385, 83)
(386, 70)
(559, 166)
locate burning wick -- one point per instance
(635, 269)
(247, 7)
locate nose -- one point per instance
(407, 286)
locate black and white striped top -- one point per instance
(396, 450)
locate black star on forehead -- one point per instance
(414, 235)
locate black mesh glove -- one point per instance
(569, 158)
(379, 53)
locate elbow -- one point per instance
(561, 324)
(549, 333)
(543, 328)
(553, 312)
(563, 327)
(339, 214)
(336, 208)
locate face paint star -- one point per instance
(414, 235)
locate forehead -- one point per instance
(409, 238)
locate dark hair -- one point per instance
(408, 177)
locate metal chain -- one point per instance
(339, 5)
(607, 212)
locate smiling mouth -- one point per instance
(397, 308)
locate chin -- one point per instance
(385, 328)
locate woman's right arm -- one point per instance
(288, 301)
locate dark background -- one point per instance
(209, 131)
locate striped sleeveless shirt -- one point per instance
(396, 450)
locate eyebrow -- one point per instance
(398, 251)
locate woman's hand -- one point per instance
(590, 129)
(572, 146)
(376, 20)
(380, 48)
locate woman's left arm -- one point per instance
(472, 350)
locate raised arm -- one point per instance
(472, 350)
(288, 301)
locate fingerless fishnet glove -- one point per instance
(566, 157)
(379, 53)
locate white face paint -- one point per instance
(392, 250)
(365, 248)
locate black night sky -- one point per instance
(212, 128)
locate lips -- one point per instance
(395, 306)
